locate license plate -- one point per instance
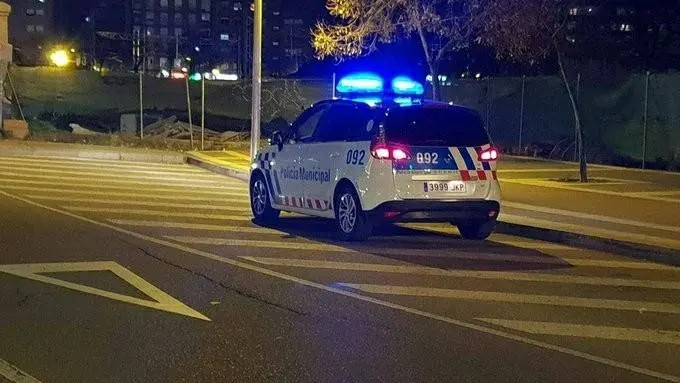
(444, 187)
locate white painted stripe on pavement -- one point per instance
(566, 262)
(589, 331)
(592, 231)
(594, 217)
(158, 213)
(494, 275)
(105, 180)
(359, 297)
(243, 208)
(179, 171)
(14, 374)
(657, 193)
(194, 226)
(103, 164)
(167, 189)
(106, 174)
(491, 296)
(222, 197)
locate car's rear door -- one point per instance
(444, 144)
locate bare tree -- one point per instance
(441, 26)
(528, 32)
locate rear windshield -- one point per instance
(435, 127)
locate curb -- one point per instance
(627, 249)
(93, 153)
(243, 176)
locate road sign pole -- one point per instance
(191, 126)
(202, 112)
(257, 79)
(644, 121)
(141, 105)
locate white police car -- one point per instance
(370, 160)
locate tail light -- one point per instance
(383, 151)
(490, 154)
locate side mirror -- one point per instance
(277, 139)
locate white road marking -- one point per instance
(173, 197)
(360, 297)
(592, 231)
(195, 226)
(110, 175)
(493, 275)
(534, 182)
(14, 374)
(104, 179)
(566, 262)
(177, 188)
(243, 208)
(594, 217)
(103, 164)
(158, 213)
(179, 171)
(589, 331)
(492, 296)
(162, 301)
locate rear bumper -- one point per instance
(435, 211)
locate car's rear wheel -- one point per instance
(478, 230)
(260, 203)
(352, 222)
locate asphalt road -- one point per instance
(125, 272)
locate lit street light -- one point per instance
(59, 58)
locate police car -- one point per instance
(365, 160)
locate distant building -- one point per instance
(31, 28)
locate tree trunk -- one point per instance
(582, 165)
(436, 85)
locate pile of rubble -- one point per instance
(175, 129)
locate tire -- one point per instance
(351, 220)
(260, 202)
(477, 230)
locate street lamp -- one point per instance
(257, 78)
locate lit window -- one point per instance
(625, 27)
(39, 28)
(276, 27)
(224, 37)
(40, 12)
(30, 28)
(238, 6)
(30, 12)
(573, 11)
(205, 16)
(275, 43)
(277, 13)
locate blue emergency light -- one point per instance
(403, 85)
(369, 88)
(361, 83)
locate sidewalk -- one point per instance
(15, 148)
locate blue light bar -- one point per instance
(406, 86)
(361, 83)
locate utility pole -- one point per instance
(257, 79)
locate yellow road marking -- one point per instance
(360, 297)
(494, 275)
(168, 189)
(241, 165)
(594, 217)
(104, 179)
(592, 231)
(161, 300)
(589, 331)
(656, 193)
(147, 203)
(195, 226)
(158, 213)
(491, 296)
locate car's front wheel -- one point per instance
(352, 222)
(477, 230)
(260, 203)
